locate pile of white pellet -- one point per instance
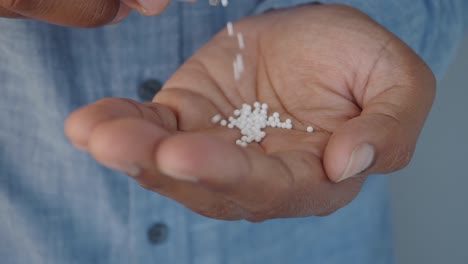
(250, 120)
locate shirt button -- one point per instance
(158, 233)
(148, 89)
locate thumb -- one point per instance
(383, 137)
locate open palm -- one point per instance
(331, 67)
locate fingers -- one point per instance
(266, 186)
(238, 174)
(123, 135)
(130, 145)
(383, 138)
(82, 122)
(121, 144)
(79, 13)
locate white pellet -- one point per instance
(224, 3)
(216, 119)
(240, 63)
(236, 71)
(310, 129)
(213, 2)
(251, 120)
(240, 40)
(230, 29)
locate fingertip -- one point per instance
(177, 157)
(201, 158)
(368, 144)
(105, 147)
(76, 130)
(361, 159)
(125, 143)
(80, 124)
(180, 155)
(124, 11)
(343, 143)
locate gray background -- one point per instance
(430, 197)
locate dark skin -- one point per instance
(329, 66)
(78, 13)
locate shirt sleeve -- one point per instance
(432, 28)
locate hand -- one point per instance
(328, 66)
(79, 13)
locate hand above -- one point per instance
(329, 66)
(79, 13)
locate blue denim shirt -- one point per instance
(57, 205)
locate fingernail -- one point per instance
(130, 170)
(178, 175)
(361, 159)
(122, 14)
(152, 7)
(182, 177)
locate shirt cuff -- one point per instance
(432, 28)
